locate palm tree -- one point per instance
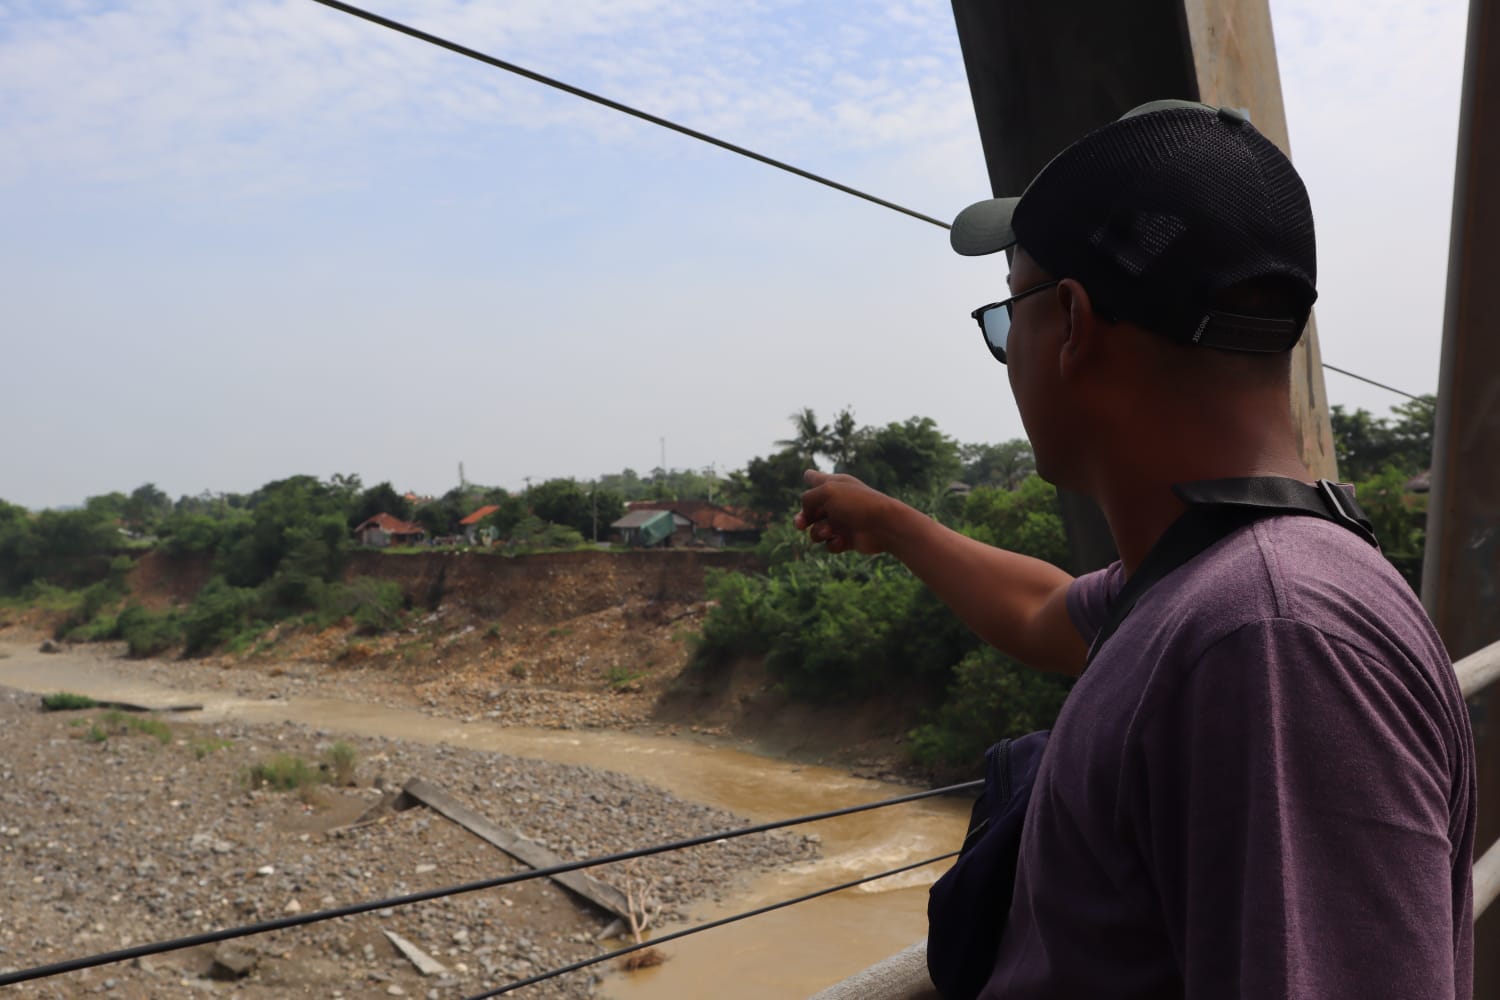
(843, 440)
(811, 439)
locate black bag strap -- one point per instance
(1217, 508)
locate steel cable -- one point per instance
(568, 88)
(317, 916)
(614, 105)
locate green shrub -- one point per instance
(85, 620)
(204, 746)
(66, 701)
(376, 606)
(217, 614)
(991, 697)
(145, 633)
(117, 723)
(339, 763)
(284, 773)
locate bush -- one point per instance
(86, 620)
(991, 697)
(118, 723)
(338, 763)
(283, 772)
(147, 634)
(217, 614)
(376, 606)
(66, 701)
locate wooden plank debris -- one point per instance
(529, 852)
(425, 963)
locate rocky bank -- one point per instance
(112, 836)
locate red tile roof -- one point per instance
(479, 515)
(704, 515)
(392, 525)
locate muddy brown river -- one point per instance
(788, 953)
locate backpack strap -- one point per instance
(1216, 509)
(1276, 495)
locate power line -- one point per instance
(568, 88)
(1382, 385)
(587, 95)
(282, 923)
(585, 963)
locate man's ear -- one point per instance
(1080, 346)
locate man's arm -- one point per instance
(1014, 602)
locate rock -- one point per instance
(50, 646)
(232, 962)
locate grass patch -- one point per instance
(620, 678)
(339, 763)
(117, 723)
(66, 701)
(283, 772)
(210, 745)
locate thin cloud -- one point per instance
(157, 91)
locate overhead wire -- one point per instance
(317, 916)
(700, 928)
(1382, 385)
(587, 95)
(568, 88)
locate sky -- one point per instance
(241, 241)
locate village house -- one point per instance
(470, 524)
(703, 523)
(383, 530)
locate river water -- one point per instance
(789, 953)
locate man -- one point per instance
(1263, 785)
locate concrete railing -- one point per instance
(903, 976)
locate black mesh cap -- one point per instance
(1159, 212)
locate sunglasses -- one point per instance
(994, 319)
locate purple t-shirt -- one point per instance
(1263, 787)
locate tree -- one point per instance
(71, 546)
(772, 485)
(811, 438)
(381, 498)
(912, 457)
(565, 502)
(1365, 444)
(509, 513)
(299, 522)
(17, 547)
(1025, 519)
(843, 440)
(1004, 465)
(146, 506)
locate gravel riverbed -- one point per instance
(111, 836)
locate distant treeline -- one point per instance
(828, 627)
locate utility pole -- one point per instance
(1461, 564)
(1102, 58)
